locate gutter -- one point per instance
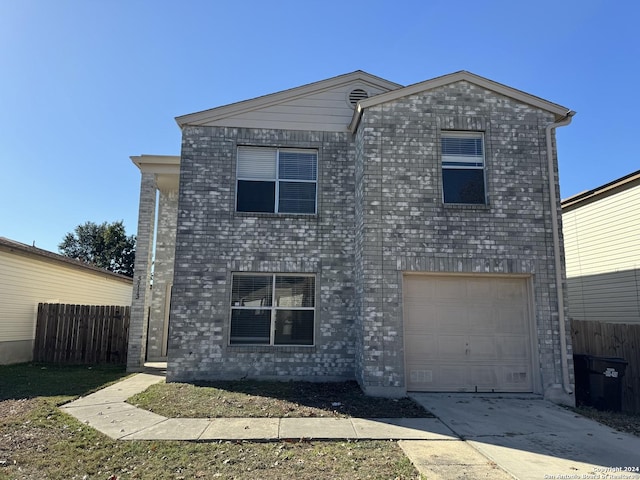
(566, 384)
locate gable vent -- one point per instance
(356, 95)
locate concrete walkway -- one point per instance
(497, 437)
(107, 411)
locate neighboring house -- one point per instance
(602, 242)
(353, 228)
(30, 275)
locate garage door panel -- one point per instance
(425, 346)
(484, 377)
(420, 288)
(477, 330)
(483, 348)
(512, 347)
(448, 289)
(478, 289)
(451, 318)
(419, 377)
(419, 319)
(481, 317)
(515, 378)
(508, 290)
(452, 377)
(451, 347)
(507, 321)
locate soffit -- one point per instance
(166, 169)
(166, 164)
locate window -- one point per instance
(463, 167)
(276, 180)
(268, 309)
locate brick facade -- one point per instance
(141, 299)
(380, 215)
(213, 241)
(403, 225)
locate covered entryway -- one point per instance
(467, 333)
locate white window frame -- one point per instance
(274, 309)
(277, 178)
(461, 160)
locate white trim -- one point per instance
(157, 163)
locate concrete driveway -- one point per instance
(534, 439)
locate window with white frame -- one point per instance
(276, 180)
(463, 167)
(272, 309)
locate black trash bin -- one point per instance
(599, 381)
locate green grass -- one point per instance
(38, 441)
(29, 380)
(250, 398)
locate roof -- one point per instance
(558, 110)
(224, 111)
(13, 246)
(583, 198)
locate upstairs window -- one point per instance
(463, 167)
(268, 309)
(273, 180)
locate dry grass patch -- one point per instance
(249, 398)
(39, 441)
(624, 422)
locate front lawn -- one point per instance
(38, 441)
(251, 398)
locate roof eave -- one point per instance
(13, 246)
(594, 194)
(157, 163)
(199, 118)
(559, 111)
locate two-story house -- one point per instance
(353, 228)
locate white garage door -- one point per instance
(467, 333)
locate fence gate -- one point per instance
(81, 334)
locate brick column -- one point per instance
(162, 275)
(142, 274)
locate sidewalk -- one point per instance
(433, 448)
(485, 436)
(107, 411)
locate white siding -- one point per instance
(603, 236)
(26, 281)
(328, 110)
(607, 297)
(602, 249)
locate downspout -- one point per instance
(566, 384)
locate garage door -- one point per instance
(467, 333)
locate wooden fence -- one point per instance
(613, 340)
(81, 334)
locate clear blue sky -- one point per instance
(84, 84)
